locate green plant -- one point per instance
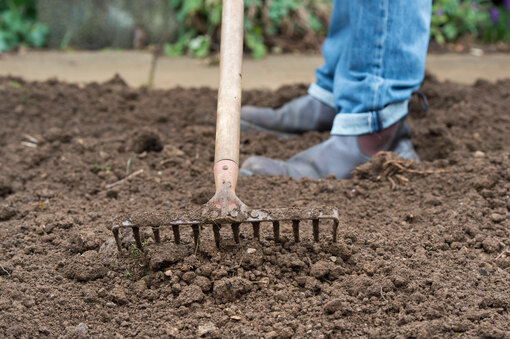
(134, 250)
(18, 25)
(99, 167)
(498, 29)
(454, 18)
(481, 19)
(296, 20)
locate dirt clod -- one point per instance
(146, 140)
(230, 289)
(6, 212)
(190, 294)
(85, 267)
(321, 268)
(490, 245)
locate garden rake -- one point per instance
(225, 207)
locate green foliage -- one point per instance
(497, 31)
(452, 19)
(200, 21)
(18, 25)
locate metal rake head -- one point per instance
(253, 217)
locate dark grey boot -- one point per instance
(297, 116)
(338, 155)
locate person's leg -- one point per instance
(384, 63)
(314, 111)
(381, 63)
(332, 50)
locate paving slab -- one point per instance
(271, 72)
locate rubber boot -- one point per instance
(300, 115)
(338, 155)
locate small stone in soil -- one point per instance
(206, 328)
(83, 328)
(110, 304)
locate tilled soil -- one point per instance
(423, 251)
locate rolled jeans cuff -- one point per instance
(369, 122)
(321, 94)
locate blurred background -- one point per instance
(176, 28)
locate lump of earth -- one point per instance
(490, 245)
(337, 305)
(83, 240)
(118, 295)
(321, 269)
(6, 212)
(57, 134)
(190, 294)
(164, 255)
(203, 282)
(85, 267)
(146, 140)
(230, 289)
(5, 188)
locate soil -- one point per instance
(423, 248)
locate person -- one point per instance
(374, 56)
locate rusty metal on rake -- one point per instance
(254, 217)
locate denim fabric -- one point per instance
(374, 58)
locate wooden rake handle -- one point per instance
(228, 123)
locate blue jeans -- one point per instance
(374, 59)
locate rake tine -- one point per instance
(315, 223)
(196, 233)
(157, 237)
(217, 236)
(235, 231)
(295, 230)
(276, 231)
(115, 231)
(177, 234)
(256, 230)
(335, 230)
(136, 235)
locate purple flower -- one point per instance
(506, 4)
(440, 11)
(494, 13)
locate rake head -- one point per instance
(226, 208)
(253, 217)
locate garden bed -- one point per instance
(423, 249)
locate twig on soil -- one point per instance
(394, 170)
(382, 295)
(156, 54)
(393, 185)
(30, 138)
(405, 168)
(501, 254)
(3, 269)
(121, 181)
(29, 144)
